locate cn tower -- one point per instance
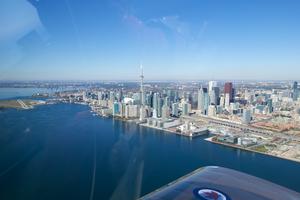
(142, 86)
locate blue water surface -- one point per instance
(62, 151)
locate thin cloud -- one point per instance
(18, 19)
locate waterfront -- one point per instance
(47, 154)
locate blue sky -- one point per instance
(174, 40)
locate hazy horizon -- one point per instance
(137, 80)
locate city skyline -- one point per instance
(157, 99)
(176, 40)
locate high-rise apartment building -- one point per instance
(228, 89)
(203, 100)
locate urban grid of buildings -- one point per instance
(258, 118)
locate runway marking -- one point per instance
(23, 105)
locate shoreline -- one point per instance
(171, 131)
(20, 104)
(249, 150)
(209, 139)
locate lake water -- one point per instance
(10, 93)
(62, 151)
